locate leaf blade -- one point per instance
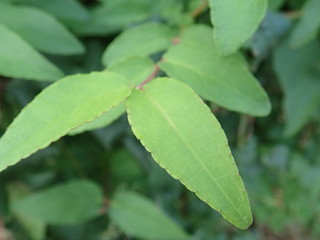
(223, 80)
(139, 217)
(64, 105)
(200, 139)
(231, 31)
(19, 60)
(50, 36)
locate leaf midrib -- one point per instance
(171, 123)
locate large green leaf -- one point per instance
(136, 69)
(64, 105)
(70, 203)
(140, 218)
(307, 28)
(299, 76)
(143, 40)
(40, 29)
(223, 80)
(19, 60)
(235, 21)
(183, 136)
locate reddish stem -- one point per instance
(149, 78)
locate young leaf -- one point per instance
(223, 80)
(299, 76)
(140, 218)
(39, 29)
(19, 60)
(307, 28)
(70, 203)
(64, 105)
(235, 21)
(143, 40)
(173, 123)
(135, 69)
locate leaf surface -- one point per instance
(142, 40)
(299, 76)
(235, 21)
(135, 69)
(19, 60)
(184, 138)
(140, 218)
(307, 28)
(64, 105)
(223, 80)
(70, 203)
(39, 29)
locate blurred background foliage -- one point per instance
(116, 190)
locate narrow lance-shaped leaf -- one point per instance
(64, 105)
(226, 81)
(70, 203)
(235, 21)
(39, 29)
(140, 218)
(19, 60)
(183, 136)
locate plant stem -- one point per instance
(150, 77)
(201, 8)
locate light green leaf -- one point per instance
(173, 123)
(299, 76)
(70, 203)
(19, 60)
(140, 218)
(223, 80)
(40, 29)
(104, 120)
(64, 105)
(136, 69)
(307, 28)
(235, 21)
(143, 40)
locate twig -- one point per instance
(201, 8)
(150, 77)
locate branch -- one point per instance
(150, 77)
(201, 8)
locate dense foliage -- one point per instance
(143, 65)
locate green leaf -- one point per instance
(223, 80)
(299, 76)
(64, 105)
(143, 40)
(34, 227)
(104, 120)
(173, 123)
(235, 21)
(140, 218)
(113, 16)
(136, 69)
(307, 28)
(70, 203)
(19, 60)
(40, 29)
(66, 10)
